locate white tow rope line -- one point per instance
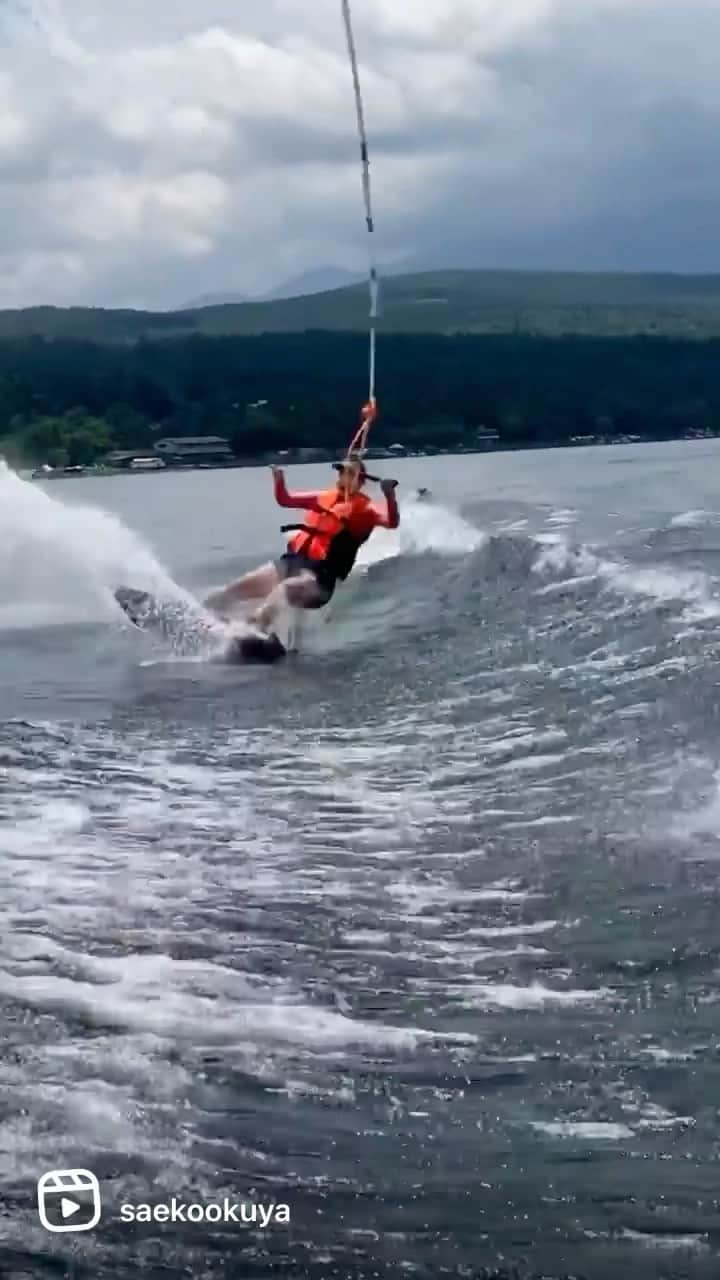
(359, 443)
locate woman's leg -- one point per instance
(302, 591)
(252, 586)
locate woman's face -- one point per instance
(350, 478)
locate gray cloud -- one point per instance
(152, 153)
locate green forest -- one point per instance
(77, 399)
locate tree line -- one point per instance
(79, 399)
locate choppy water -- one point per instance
(417, 934)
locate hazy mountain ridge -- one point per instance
(463, 301)
(319, 280)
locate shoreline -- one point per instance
(283, 460)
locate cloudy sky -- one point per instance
(154, 152)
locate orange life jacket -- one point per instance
(335, 534)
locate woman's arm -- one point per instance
(390, 517)
(283, 497)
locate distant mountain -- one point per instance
(319, 280)
(213, 300)
(550, 304)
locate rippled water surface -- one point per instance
(416, 933)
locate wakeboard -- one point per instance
(191, 629)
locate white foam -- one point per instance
(523, 740)
(61, 561)
(417, 898)
(659, 1054)
(657, 1117)
(557, 556)
(656, 583)
(667, 1243)
(547, 820)
(589, 1131)
(424, 526)
(693, 519)
(506, 995)
(512, 526)
(511, 930)
(705, 821)
(143, 1003)
(660, 584)
(563, 517)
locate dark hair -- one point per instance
(358, 462)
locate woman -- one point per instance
(336, 522)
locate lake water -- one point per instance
(416, 933)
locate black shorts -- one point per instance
(294, 563)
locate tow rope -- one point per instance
(358, 444)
